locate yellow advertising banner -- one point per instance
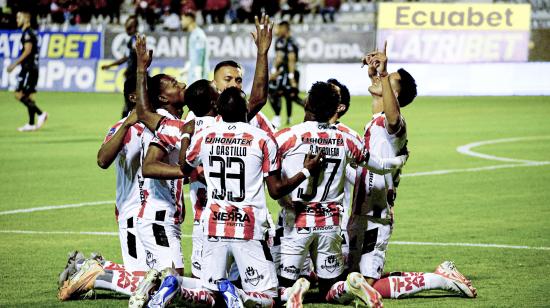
(454, 16)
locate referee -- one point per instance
(284, 78)
(28, 77)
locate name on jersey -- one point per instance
(228, 150)
(314, 149)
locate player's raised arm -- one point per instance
(112, 145)
(279, 187)
(187, 132)
(391, 105)
(145, 112)
(262, 38)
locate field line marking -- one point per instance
(469, 245)
(55, 207)
(189, 236)
(467, 149)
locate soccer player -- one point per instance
(197, 66)
(28, 76)
(284, 77)
(236, 157)
(372, 215)
(122, 145)
(201, 96)
(131, 26)
(312, 222)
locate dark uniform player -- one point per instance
(284, 77)
(28, 77)
(131, 26)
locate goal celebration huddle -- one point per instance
(336, 190)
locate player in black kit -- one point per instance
(28, 77)
(284, 78)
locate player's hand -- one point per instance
(11, 67)
(380, 61)
(264, 33)
(313, 163)
(131, 119)
(144, 56)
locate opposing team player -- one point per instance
(28, 76)
(372, 216)
(312, 223)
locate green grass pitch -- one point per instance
(468, 204)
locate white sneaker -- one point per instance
(296, 293)
(362, 290)
(276, 121)
(27, 128)
(144, 289)
(458, 282)
(41, 119)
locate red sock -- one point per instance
(383, 287)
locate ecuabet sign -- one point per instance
(455, 33)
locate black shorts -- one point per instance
(27, 80)
(282, 83)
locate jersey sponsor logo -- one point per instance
(228, 141)
(322, 229)
(323, 141)
(252, 276)
(290, 269)
(232, 217)
(331, 264)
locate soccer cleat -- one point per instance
(41, 119)
(82, 281)
(229, 293)
(296, 293)
(70, 267)
(458, 282)
(141, 295)
(27, 128)
(167, 290)
(98, 257)
(363, 292)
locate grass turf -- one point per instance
(508, 206)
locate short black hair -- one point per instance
(231, 105)
(130, 85)
(154, 89)
(322, 101)
(201, 97)
(408, 88)
(284, 23)
(133, 17)
(227, 63)
(345, 97)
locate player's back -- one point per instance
(320, 197)
(235, 157)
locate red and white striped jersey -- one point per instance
(318, 200)
(197, 189)
(372, 189)
(350, 179)
(128, 169)
(262, 122)
(161, 200)
(235, 157)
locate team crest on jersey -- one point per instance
(252, 276)
(331, 264)
(150, 259)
